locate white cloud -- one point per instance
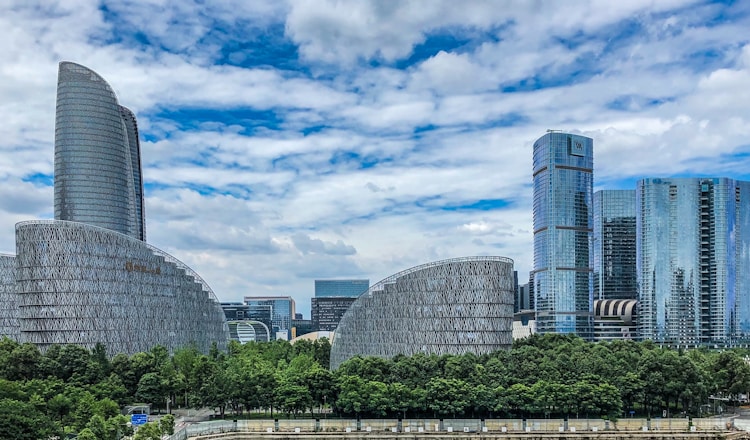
(360, 169)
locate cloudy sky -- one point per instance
(288, 141)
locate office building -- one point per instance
(457, 306)
(340, 288)
(328, 311)
(282, 310)
(302, 327)
(563, 231)
(88, 276)
(693, 265)
(524, 299)
(97, 155)
(615, 275)
(332, 299)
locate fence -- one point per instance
(453, 425)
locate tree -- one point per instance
(732, 374)
(149, 431)
(151, 390)
(166, 424)
(22, 421)
(88, 434)
(292, 398)
(59, 407)
(448, 396)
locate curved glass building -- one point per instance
(89, 277)
(97, 155)
(562, 274)
(462, 305)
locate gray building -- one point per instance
(88, 276)
(462, 305)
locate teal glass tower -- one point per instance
(693, 236)
(562, 273)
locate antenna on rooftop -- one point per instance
(549, 130)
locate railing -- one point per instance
(664, 425)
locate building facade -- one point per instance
(693, 261)
(88, 277)
(327, 311)
(563, 231)
(615, 319)
(340, 288)
(463, 305)
(282, 311)
(97, 155)
(615, 275)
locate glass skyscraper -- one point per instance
(282, 310)
(97, 155)
(348, 288)
(614, 245)
(693, 240)
(563, 227)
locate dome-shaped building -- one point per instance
(462, 305)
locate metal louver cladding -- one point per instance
(82, 284)
(8, 297)
(456, 306)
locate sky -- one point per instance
(284, 142)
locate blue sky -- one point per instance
(288, 141)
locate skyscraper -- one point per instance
(89, 277)
(97, 155)
(693, 261)
(563, 227)
(332, 299)
(348, 288)
(282, 310)
(614, 245)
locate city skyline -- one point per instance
(288, 142)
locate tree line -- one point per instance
(69, 389)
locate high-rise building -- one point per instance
(693, 261)
(332, 299)
(282, 311)
(563, 228)
(88, 276)
(347, 288)
(97, 155)
(615, 275)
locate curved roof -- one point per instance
(454, 306)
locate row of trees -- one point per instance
(69, 389)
